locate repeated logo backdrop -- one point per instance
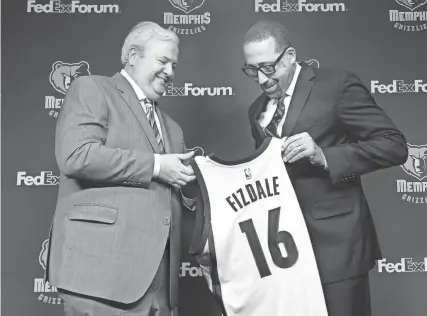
(48, 43)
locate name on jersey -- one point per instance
(253, 192)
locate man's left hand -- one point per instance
(301, 146)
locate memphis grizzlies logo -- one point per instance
(43, 254)
(46, 292)
(63, 74)
(187, 5)
(416, 165)
(411, 4)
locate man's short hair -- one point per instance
(266, 29)
(141, 34)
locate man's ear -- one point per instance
(291, 54)
(133, 54)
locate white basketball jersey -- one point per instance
(251, 239)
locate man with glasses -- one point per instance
(333, 132)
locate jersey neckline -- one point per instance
(249, 158)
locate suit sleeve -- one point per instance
(375, 142)
(254, 131)
(81, 134)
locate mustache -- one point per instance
(268, 84)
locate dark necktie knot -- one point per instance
(149, 105)
(281, 100)
(148, 101)
(272, 128)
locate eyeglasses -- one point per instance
(266, 68)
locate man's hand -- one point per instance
(173, 171)
(301, 146)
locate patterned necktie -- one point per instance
(271, 128)
(150, 108)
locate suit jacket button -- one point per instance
(167, 222)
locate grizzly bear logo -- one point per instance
(411, 4)
(43, 254)
(63, 74)
(416, 165)
(187, 5)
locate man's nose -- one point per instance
(168, 70)
(261, 77)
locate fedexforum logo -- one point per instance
(43, 287)
(188, 270)
(416, 167)
(412, 18)
(74, 6)
(190, 90)
(188, 23)
(405, 265)
(298, 6)
(61, 76)
(45, 178)
(398, 86)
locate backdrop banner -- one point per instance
(48, 43)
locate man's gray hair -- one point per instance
(141, 33)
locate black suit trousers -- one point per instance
(349, 297)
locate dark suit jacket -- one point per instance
(112, 219)
(356, 137)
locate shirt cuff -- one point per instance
(156, 170)
(325, 163)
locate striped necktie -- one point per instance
(150, 108)
(271, 128)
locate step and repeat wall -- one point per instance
(48, 43)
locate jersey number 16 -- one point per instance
(275, 238)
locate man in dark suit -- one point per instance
(115, 236)
(333, 133)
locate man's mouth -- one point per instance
(164, 80)
(269, 86)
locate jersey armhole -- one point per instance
(202, 227)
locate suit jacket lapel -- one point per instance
(299, 98)
(259, 107)
(165, 134)
(129, 96)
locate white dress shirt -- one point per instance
(188, 202)
(266, 116)
(140, 95)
